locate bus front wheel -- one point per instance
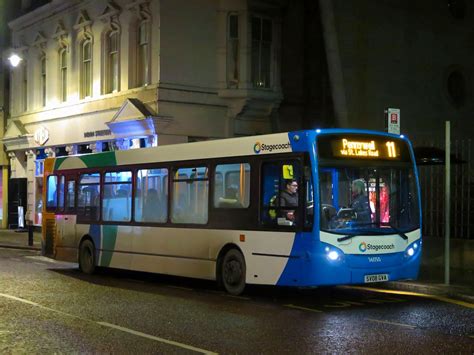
(87, 257)
(232, 272)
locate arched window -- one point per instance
(112, 65)
(143, 53)
(63, 74)
(43, 79)
(86, 69)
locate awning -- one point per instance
(133, 119)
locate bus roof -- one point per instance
(230, 147)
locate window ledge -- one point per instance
(263, 94)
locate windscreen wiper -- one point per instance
(347, 237)
(399, 232)
(350, 236)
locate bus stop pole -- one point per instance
(447, 208)
(30, 234)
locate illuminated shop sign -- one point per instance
(100, 133)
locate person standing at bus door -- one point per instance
(360, 201)
(289, 198)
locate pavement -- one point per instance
(19, 239)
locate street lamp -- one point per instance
(14, 60)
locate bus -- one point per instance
(215, 209)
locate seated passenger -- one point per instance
(231, 199)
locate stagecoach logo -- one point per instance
(363, 247)
(262, 147)
(257, 147)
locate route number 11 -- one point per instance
(391, 149)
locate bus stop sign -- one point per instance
(393, 120)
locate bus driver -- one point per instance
(289, 198)
(360, 202)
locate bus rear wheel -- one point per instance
(232, 272)
(87, 257)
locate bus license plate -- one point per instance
(375, 278)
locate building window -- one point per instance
(24, 87)
(233, 51)
(261, 51)
(43, 79)
(143, 54)
(457, 8)
(86, 69)
(112, 62)
(63, 74)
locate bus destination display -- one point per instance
(362, 147)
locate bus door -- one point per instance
(49, 212)
(66, 220)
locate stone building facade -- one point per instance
(101, 75)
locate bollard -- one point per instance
(30, 234)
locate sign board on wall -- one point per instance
(393, 120)
(41, 135)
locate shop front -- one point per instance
(28, 145)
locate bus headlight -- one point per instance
(412, 249)
(333, 255)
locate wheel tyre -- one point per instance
(87, 257)
(232, 272)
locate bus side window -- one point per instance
(117, 199)
(234, 191)
(190, 196)
(70, 195)
(88, 197)
(151, 195)
(52, 193)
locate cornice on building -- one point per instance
(41, 13)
